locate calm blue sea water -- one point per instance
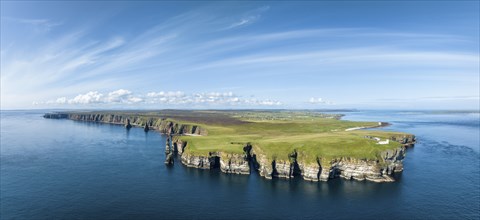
(61, 169)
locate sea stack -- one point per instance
(168, 152)
(128, 125)
(146, 128)
(169, 158)
(167, 146)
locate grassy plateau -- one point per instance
(277, 134)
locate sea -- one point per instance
(63, 169)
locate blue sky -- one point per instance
(347, 54)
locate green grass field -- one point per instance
(278, 134)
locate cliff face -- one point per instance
(178, 146)
(347, 168)
(311, 172)
(263, 165)
(161, 124)
(202, 162)
(358, 170)
(276, 168)
(227, 162)
(234, 163)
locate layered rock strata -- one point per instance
(347, 168)
(162, 125)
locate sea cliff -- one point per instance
(347, 168)
(323, 170)
(163, 125)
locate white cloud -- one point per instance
(313, 100)
(134, 100)
(95, 97)
(165, 94)
(119, 96)
(61, 100)
(268, 102)
(170, 98)
(88, 98)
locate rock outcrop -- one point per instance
(310, 172)
(263, 165)
(234, 163)
(227, 162)
(178, 145)
(169, 158)
(128, 125)
(169, 154)
(358, 169)
(276, 168)
(55, 115)
(202, 162)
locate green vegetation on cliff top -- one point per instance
(276, 134)
(311, 138)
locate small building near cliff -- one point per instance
(384, 142)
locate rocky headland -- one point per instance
(252, 159)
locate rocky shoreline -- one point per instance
(346, 168)
(162, 125)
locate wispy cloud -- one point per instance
(248, 18)
(189, 51)
(373, 57)
(434, 99)
(42, 24)
(242, 22)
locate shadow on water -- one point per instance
(450, 150)
(127, 132)
(332, 189)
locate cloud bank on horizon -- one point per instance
(176, 99)
(250, 54)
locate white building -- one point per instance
(384, 142)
